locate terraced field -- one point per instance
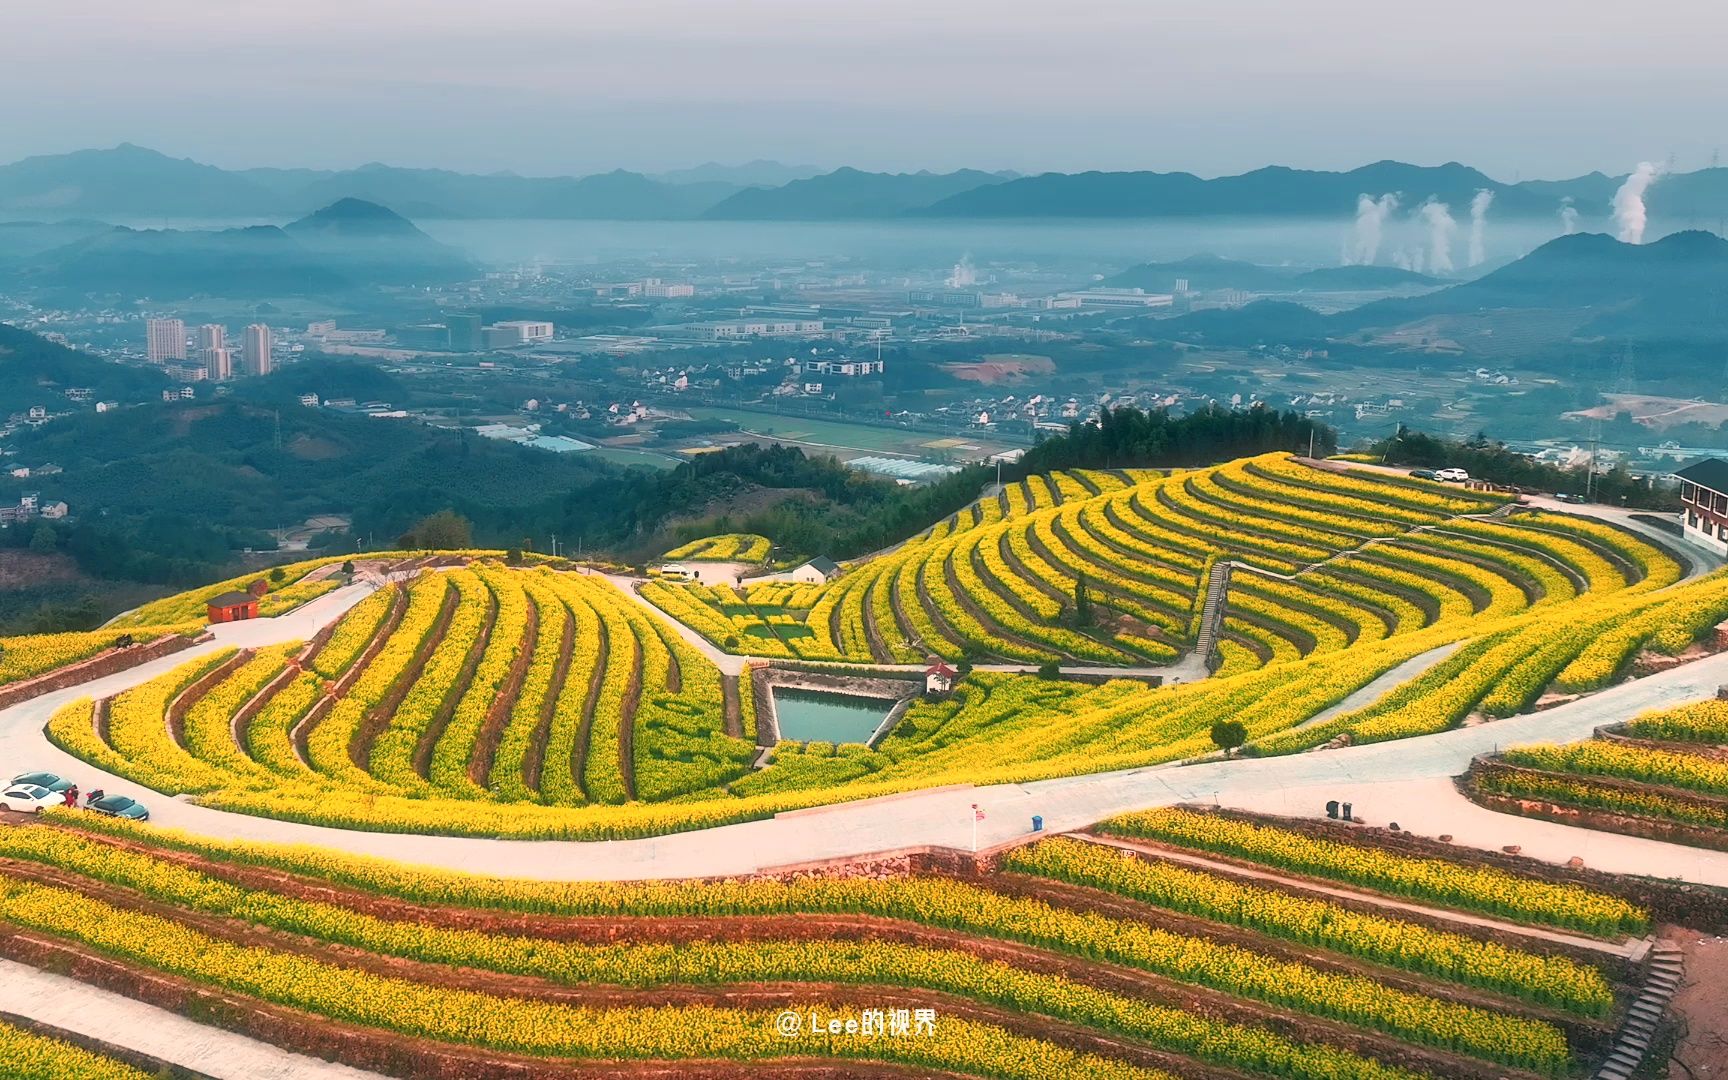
(1662, 775)
(1065, 959)
(1320, 560)
(482, 699)
(477, 695)
(531, 702)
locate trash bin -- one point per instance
(1037, 822)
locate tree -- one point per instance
(1227, 735)
(277, 576)
(444, 531)
(44, 541)
(348, 567)
(513, 556)
(1049, 669)
(1082, 601)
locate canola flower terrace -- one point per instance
(539, 703)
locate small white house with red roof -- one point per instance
(938, 679)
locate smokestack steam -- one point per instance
(1371, 215)
(1568, 217)
(1479, 225)
(1440, 229)
(963, 275)
(1629, 211)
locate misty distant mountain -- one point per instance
(372, 244)
(1203, 274)
(1259, 323)
(128, 181)
(1700, 199)
(439, 193)
(133, 182)
(170, 264)
(1673, 291)
(750, 174)
(23, 239)
(1673, 288)
(1275, 191)
(1591, 193)
(848, 193)
(1351, 278)
(348, 245)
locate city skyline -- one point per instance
(1568, 89)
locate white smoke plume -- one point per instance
(1479, 226)
(1629, 211)
(1440, 229)
(1371, 215)
(1568, 216)
(964, 274)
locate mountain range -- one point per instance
(133, 182)
(1584, 287)
(348, 244)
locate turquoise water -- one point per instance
(807, 715)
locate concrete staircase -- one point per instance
(1644, 1015)
(1212, 613)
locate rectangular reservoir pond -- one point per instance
(816, 715)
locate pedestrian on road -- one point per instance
(72, 796)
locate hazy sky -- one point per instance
(1516, 87)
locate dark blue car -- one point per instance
(44, 779)
(120, 806)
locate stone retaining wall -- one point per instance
(903, 692)
(1698, 906)
(96, 667)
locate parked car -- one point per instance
(1456, 476)
(43, 779)
(121, 806)
(29, 798)
(1425, 474)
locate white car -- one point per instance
(29, 798)
(1457, 476)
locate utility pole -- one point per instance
(554, 545)
(1590, 474)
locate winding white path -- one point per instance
(69, 1005)
(1403, 781)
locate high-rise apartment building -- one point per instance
(166, 340)
(211, 336)
(219, 364)
(256, 349)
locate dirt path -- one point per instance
(1701, 1006)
